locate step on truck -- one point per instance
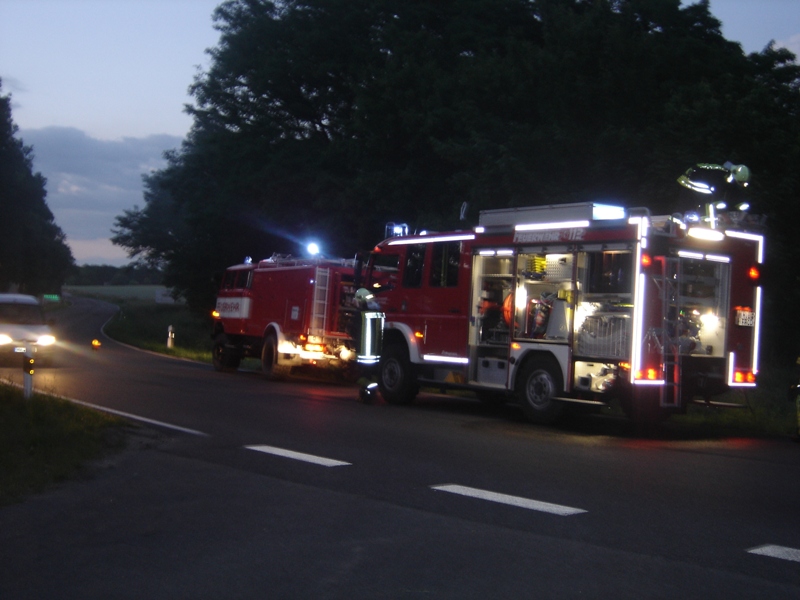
(577, 304)
(294, 313)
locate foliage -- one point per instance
(44, 440)
(328, 118)
(33, 252)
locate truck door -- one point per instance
(420, 285)
(446, 302)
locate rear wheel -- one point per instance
(396, 380)
(223, 355)
(538, 385)
(269, 359)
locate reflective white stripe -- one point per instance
(436, 238)
(753, 237)
(560, 225)
(518, 501)
(445, 359)
(757, 330)
(318, 460)
(774, 551)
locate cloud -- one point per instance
(792, 44)
(90, 182)
(98, 252)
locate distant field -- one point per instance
(144, 322)
(119, 292)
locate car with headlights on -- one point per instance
(23, 326)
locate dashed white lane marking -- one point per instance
(555, 509)
(774, 551)
(318, 460)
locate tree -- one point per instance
(332, 117)
(34, 256)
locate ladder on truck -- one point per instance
(319, 310)
(670, 296)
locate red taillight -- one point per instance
(744, 377)
(647, 374)
(754, 273)
(646, 260)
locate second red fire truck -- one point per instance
(292, 313)
(572, 304)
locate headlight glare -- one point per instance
(46, 340)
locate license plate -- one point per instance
(18, 349)
(746, 318)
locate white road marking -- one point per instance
(133, 417)
(555, 509)
(317, 460)
(774, 551)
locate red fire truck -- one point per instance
(294, 312)
(577, 303)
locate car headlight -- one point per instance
(45, 340)
(4, 339)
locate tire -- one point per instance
(538, 385)
(223, 356)
(269, 359)
(395, 379)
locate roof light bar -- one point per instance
(702, 233)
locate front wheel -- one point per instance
(223, 356)
(396, 381)
(538, 386)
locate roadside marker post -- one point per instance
(28, 362)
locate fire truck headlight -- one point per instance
(4, 339)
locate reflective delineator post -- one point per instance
(170, 337)
(27, 373)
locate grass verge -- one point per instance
(766, 413)
(145, 325)
(46, 440)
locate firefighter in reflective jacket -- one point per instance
(363, 301)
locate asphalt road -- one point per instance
(236, 487)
